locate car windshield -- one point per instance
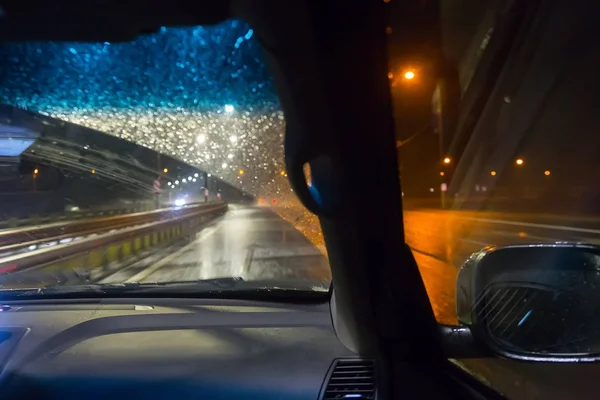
(153, 161)
(518, 167)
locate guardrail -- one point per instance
(62, 263)
(72, 215)
(15, 239)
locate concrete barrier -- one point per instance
(100, 255)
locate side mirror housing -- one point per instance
(532, 302)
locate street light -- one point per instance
(493, 173)
(519, 161)
(409, 75)
(547, 172)
(442, 173)
(36, 171)
(166, 170)
(447, 160)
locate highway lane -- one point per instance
(451, 236)
(248, 242)
(442, 240)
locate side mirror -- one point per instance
(532, 302)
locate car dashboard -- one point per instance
(176, 348)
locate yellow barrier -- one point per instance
(108, 255)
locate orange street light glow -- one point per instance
(447, 160)
(409, 75)
(493, 173)
(520, 161)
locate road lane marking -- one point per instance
(533, 225)
(439, 258)
(153, 268)
(483, 244)
(520, 223)
(525, 236)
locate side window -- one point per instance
(520, 168)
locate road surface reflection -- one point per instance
(442, 240)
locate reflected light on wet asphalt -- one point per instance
(249, 242)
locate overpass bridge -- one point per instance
(57, 164)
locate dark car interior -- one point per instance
(373, 335)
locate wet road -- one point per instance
(442, 240)
(247, 242)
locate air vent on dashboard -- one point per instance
(351, 379)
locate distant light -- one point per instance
(547, 172)
(36, 171)
(93, 171)
(241, 172)
(201, 138)
(274, 201)
(282, 173)
(189, 178)
(224, 165)
(431, 190)
(493, 173)
(196, 175)
(390, 75)
(447, 160)
(184, 180)
(166, 170)
(209, 175)
(228, 108)
(194, 180)
(409, 75)
(230, 156)
(177, 182)
(442, 173)
(233, 138)
(168, 183)
(520, 161)
(179, 202)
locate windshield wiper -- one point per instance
(217, 287)
(106, 288)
